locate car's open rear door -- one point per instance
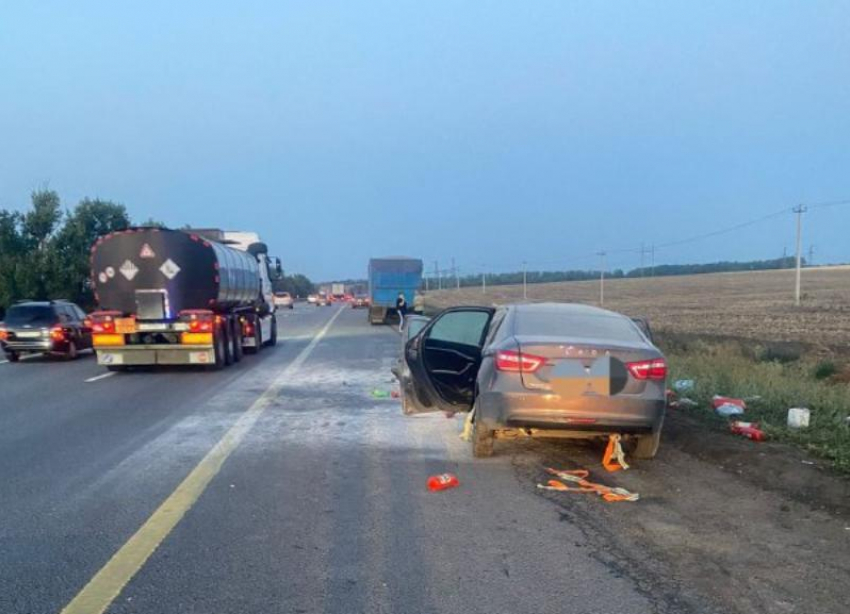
(444, 360)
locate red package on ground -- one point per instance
(443, 481)
(717, 401)
(750, 430)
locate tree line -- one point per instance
(664, 270)
(44, 251)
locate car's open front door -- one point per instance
(444, 360)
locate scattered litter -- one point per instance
(380, 394)
(728, 406)
(444, 481)
(395, 394)
(728, 409)
(718, 400)
(686, 402)
(683, 385)
(466, 434)
(579, 477)
(614, 459)
(750, 430)
(798, 418)
(805, 462)
(754, 398)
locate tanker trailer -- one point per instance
(173, 297)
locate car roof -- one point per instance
(563, 308)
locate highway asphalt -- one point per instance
(282, 485)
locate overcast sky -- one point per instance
(491, 132)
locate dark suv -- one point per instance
(44, 327)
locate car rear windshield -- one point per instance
(30, 314)
(583, 326)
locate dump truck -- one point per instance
(389, 277)
(181, 297)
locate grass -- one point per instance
(730, 369)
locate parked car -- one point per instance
(284, 300)
(45, 327)
(547, 369)
(360, 301)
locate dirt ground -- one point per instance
(751, 305)
(723, 524)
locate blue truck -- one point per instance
(388, 277)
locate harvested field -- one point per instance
(750, 305)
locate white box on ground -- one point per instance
(798, 417)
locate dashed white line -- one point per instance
(100, 377)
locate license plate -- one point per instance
(125, 326)
(28, 334)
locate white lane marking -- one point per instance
(100, 377)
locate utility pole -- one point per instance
(457, 279)
(483, 283)
(601, 278)
(652, 270)
(524, 280)
(642, 252)
(799, 210)
(437, 275)
(811, 260)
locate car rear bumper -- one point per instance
(550, 411)
(44, 346)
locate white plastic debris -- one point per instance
(728, 409)
(798, 418)
(683, 385)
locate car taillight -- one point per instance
(4, 334)
(518, 362)
(57, 333)
(655, 369)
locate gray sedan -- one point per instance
(546, 369)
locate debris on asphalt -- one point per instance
(579, 478)
(380, 394)
(444, 481)
(798, 418)
(683, 385)
(750, 430)
(614, 458)
(395, 394)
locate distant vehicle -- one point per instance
(322, 300)
(338, 290)
(312, 299)
(360, 301)
(547, 369)
(387, 278)
(412, 326)
(45, 327)
(193, 297)
(284, 300)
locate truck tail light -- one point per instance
(199, 320)
(655, 369)
(190, 338)
(103, 321)
(107, 340)
(517, 362)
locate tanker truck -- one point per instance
(175, 297)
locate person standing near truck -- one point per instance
(401, 308)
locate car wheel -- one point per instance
(72, 353)
(13, 356)
(646, 446)
(482, 440)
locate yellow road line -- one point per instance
(108, 583)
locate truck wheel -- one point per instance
(273, 338)
(482, 440)
(219, 350)
(236, 334)
(646, 446)
(228, 343)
